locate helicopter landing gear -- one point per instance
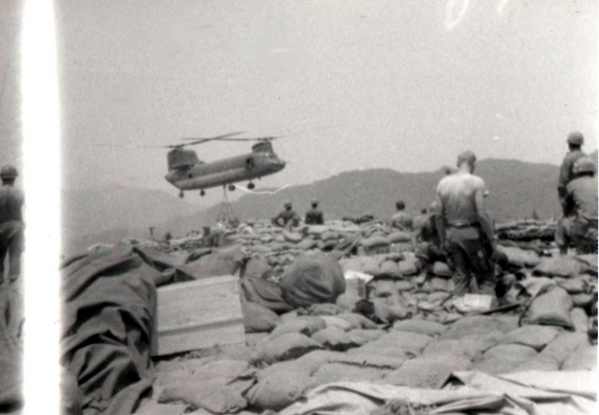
(181, 194)
(202, 193)
(251, 186)
(231, 187)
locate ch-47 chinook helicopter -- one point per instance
(187, 172)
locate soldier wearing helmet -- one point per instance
(286, 218)
(579, 225)
(11, 243)
(314, 216)
(575, 141)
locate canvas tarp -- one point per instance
(108, 311)
(528, 393)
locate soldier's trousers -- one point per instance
(579, 231)
(473, 269)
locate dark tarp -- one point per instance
(266, 293)
(173, 269)
(108, 312)
(10, 371)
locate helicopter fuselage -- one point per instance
(197, 175)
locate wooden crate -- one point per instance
(198, 314)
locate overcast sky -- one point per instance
(399, 84)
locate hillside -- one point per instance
(107, 215)
(112, 213)
(516, 188)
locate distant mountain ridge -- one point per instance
(516, 190)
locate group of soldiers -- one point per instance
(288, 218)
(577, 191)
(458, 229)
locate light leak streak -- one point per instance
(451, 21)
(41, 182)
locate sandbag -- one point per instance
(365, 335)
(307, 244)
(428, 371)
(478, 325)
(400, 236)
(551, 308)
(337, 372)
(329, 235)
(325, 309)
(564, 345)
(252, 339)
(438, 297)
(560, 266)
(584, 358)
(519, 257)
(227, 369)
(257, 318)
(357, 321)
(441, 269)
(403, 285)
(151, 407)
(510, 350)
(388, 313)
(505, 358)
(312, 279)
(409, 342)
(532, 336)
(257, 268)
(374, 242)
(266, 293)
(366, 264)
(296, 325)
(347, 301)
(572, 285)
(382, 288)
(216, 396)
(315, 323)
(335, 321)
(580, 320)
(381, 350)
(472, 347)
(292, 237)
(308, 363)
(408, 267)
(215, 264)
(368, 360)
(582, 300)
(279, 390)
(390, 268)
(441, 284)
(285, 347)
(429, 328)
(539, 362)
(334, 338)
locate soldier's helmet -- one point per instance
(8, 172)
(314, 202)
(584, 165)
(287, 204)
(576, 138)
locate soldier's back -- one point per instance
(11, 202)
